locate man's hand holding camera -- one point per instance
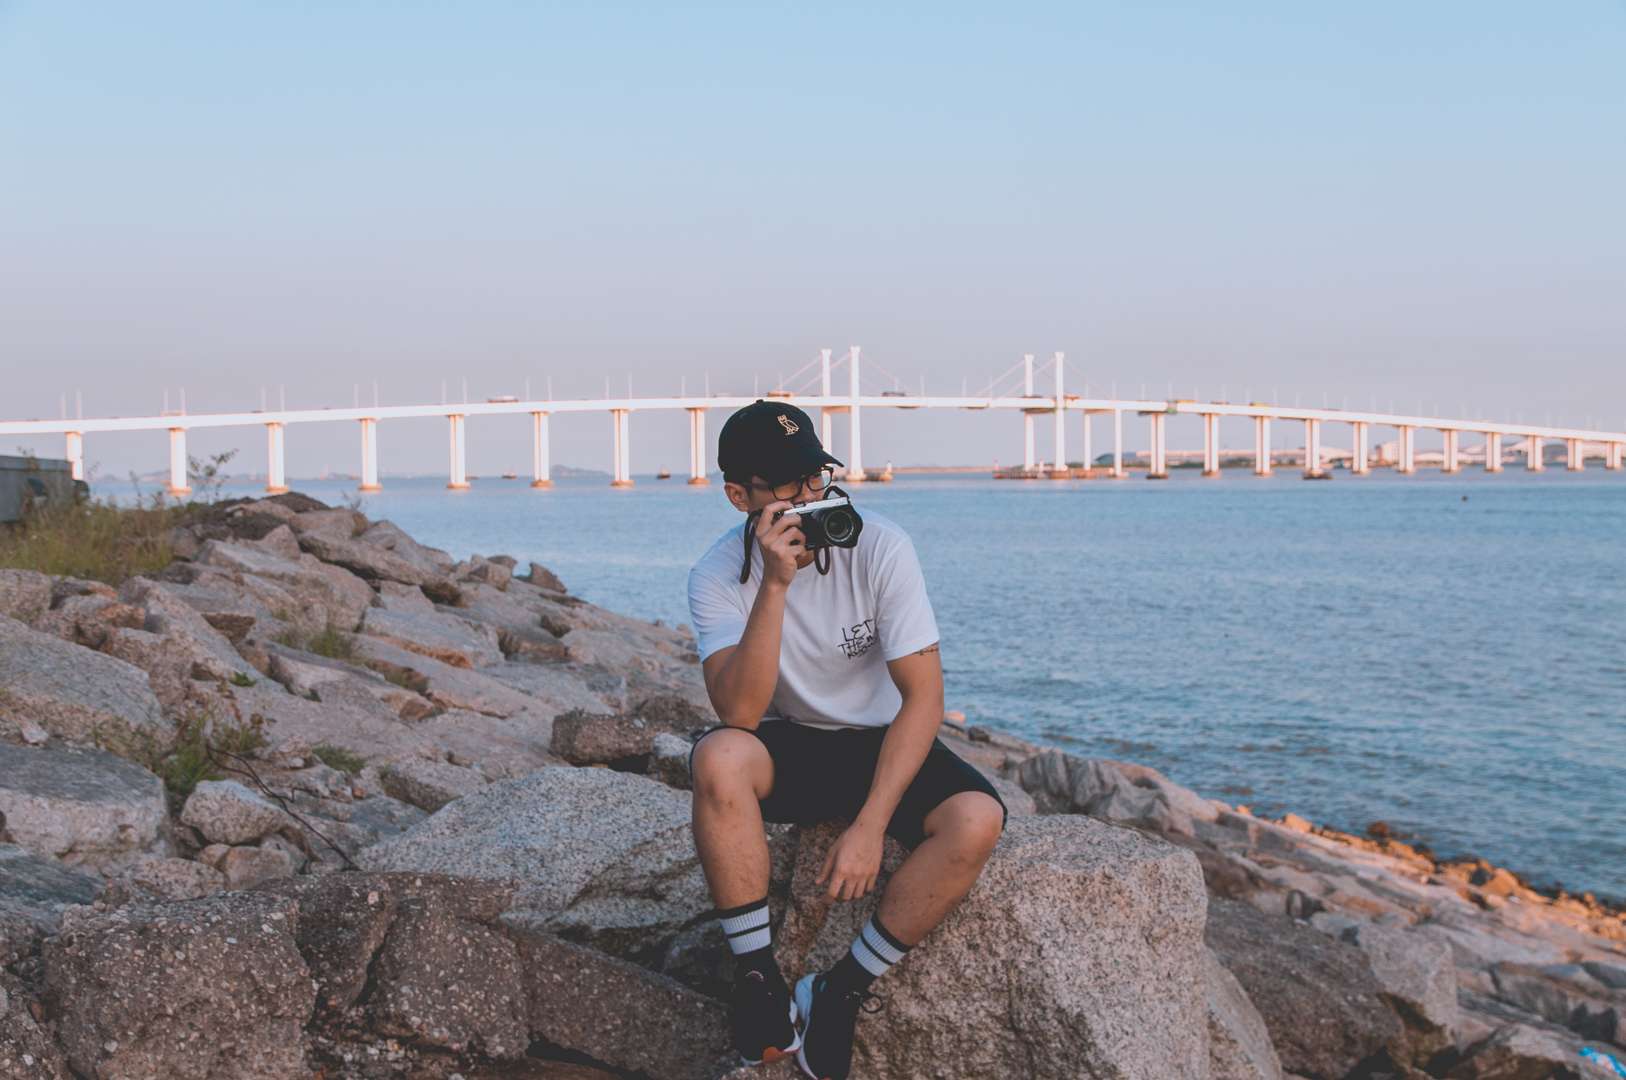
(780, 536)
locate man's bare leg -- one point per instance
(732, 770)
(960, 835)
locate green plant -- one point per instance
(208, 475)
(240, 679)
(337, 757)
(184, 760)
(94, 539)
(330, 641)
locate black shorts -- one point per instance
(819, 774)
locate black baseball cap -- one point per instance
(773, 439)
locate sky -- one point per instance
(1363, 204)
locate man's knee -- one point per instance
(726, 761)
(972, 820)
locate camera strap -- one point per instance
(821, 556)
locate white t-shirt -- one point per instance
(840, 628)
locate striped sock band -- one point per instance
(875, 950)
(746, 927)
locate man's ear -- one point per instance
(738, 496)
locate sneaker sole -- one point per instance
(778, 1053)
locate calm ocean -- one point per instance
(1447, 654)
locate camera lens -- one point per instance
(839, 525)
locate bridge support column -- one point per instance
(827, 419)
(1117, 444)
(177, 462)
(1493, 452)
(1360, 461)
(457, 471)
(1574, 455)
(1159, 469)
(369, 454)
(1061, 424)
(1449, 462)
(1261, 446)
(541, 470)
(276, 478)
(622, 475)
(1611, 456)
(1089, 462)
(1408, 451)
(1532, 454)
(697, 444)
(855, 460)
(1312, 450)
(1028, 448)
(75, 453)
(1211, 465)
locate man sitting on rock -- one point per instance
(830, 689)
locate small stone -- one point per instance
(33, 734)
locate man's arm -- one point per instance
(854, 860)
(740, 679)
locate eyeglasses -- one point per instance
(815, 483)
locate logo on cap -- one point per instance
(790, 426)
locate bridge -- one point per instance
(1013, 391)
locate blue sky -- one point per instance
(1385, 201)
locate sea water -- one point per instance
(1443, 653)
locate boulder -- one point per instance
(34, 891)
(669, 760)
(1081, 945)
(246, 867)
(1115, 791)
(227, 812)
(83, 806)
(447, 638)
(1566, 995)
(389, 537)
(619, 1013)
(322, 679)
(72, 692)
(1418, 978)
(317, 594)
(183, 630)
(446, 685)
(343, 919)
(26, 1048)
(173, 879)
(486, 572)
(623, 742)
(337, 523)
(428, 785)
(1322, 1004)
(1239, 1046)
(25, 595)
(543, 578)
(1518, 1052)
(373, 564)
(189, 989)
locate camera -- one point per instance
(831, 522)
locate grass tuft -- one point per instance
(337, 757)
(94, 539)
(330, 641)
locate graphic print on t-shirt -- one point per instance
(857, 639)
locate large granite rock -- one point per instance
(1081, 946)
(1418, 978)
(1116, 791)
(72, 692)
(623, 741)
(228, 812)
(373, 563)
(444, 637)
(34, 892)
(25, 595)
(1239, 1046)
(316, 594)
(183, 630)
(619, 1013)
(27, 1050)
(83, 806)
(1322, 1004)
(202, 990)
(1519, 1052)
(428, 785)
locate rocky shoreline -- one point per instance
(317, 800)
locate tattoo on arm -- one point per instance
(930, 648)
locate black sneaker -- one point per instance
(827, 1049)
(763, 1018)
